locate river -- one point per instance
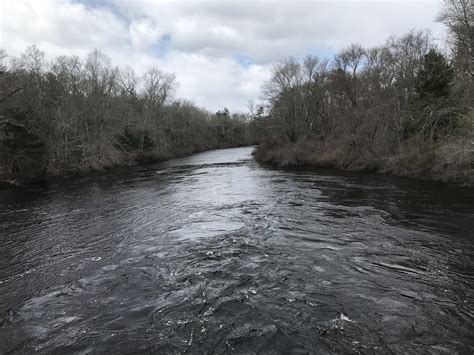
(214, 253)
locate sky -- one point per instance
(220, 51)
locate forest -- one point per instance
(404, 107)
(69, 116)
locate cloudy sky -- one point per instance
(220, 51)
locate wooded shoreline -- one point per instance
(69, 116)
(405, 107)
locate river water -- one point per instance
(216, 254)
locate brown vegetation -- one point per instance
(70, 115)
(403, 108)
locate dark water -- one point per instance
(216, 254)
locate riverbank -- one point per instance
(54, 173)
(448, 162)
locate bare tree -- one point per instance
(458, 17)
(283, 92)
(158, 86)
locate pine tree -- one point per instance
(434, 79)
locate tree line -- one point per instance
(71, 114)
(404, 107)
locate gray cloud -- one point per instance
(206, 37)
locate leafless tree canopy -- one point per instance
(70, 114)
(370, 105)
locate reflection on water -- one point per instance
(216, 253)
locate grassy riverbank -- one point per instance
(451, 162)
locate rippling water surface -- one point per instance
(214, 253)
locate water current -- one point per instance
(215, 253)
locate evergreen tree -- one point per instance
(435, 76)
(431, 106)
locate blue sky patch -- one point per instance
(244, 60)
